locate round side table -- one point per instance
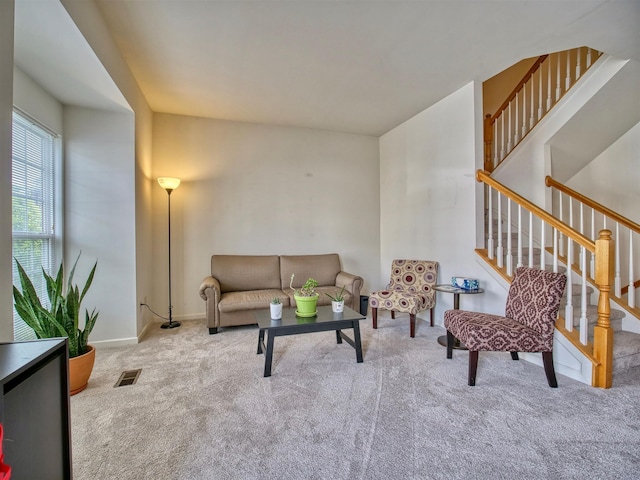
(442, 340)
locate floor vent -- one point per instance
(128, 377)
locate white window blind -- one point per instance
(33, 194)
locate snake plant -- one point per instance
(61, 319)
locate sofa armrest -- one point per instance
(210, 293)
(353, 284)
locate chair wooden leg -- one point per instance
(412, 320)
(393, 314)
(547, 360)
(450, 341)
(473, 367)
(431, 315)
(514, 356)
(374, 317)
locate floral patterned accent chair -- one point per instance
(527, 325)
(410, 290)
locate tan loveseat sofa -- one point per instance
(239, 284)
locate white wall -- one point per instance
(90, 22)
(6, 108)
(100, 215)
(612, 178)
(428, 195)
(34, 100)
(256, 189)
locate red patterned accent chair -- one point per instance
(527, 326)
(410, 290)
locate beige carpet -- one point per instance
(202, 410)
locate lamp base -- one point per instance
(171, 324)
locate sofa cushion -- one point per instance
(250, 300)
(238, 273)
(324, 268)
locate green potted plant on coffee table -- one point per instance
(61, 318)
(306, 297)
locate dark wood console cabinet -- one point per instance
(34, 409)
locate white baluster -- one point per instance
(530, 240)
(592, 255)
(542, 243)
(532, 119)
(568, 309)
(502, 143)
(582, 218)
(509, 137)
(524, 109)
(555, 250)
(617, 278)
(588, 57)
(631, 297)
(549, 86)
(490, 239)
(500, 249)
(578, 69)
(495, 141)
(516, 137)
(584, 322)
(519, 236)
(509, 258)
(560, 196)
(570, 260)
(567, 81)
(558, 85)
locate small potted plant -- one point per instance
(306, 297)
(276, 308)
(337, 301)
(61, 319)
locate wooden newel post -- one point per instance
(488, 144)
(603, 333)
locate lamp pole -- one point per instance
(169, 184)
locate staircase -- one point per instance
(626, 347)
(593, 340)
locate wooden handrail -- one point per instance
(550, 182)
(624, 290)
(517, 88)
(483, 176)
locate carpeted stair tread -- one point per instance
(626, 350)
(615, 317)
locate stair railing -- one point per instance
(541, 231)
(545, 83)
(584, 213)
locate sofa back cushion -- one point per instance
(324, 268)
(239, 273)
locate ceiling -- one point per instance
(349, 66)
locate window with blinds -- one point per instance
(33, 209)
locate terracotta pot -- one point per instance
(80, 370)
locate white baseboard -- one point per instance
(119, 342)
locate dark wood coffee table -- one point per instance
(290, 324)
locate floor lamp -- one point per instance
(169, 184)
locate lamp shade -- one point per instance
(169, 183)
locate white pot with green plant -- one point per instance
(337, 301)
(61, 318)
(276, 308)
(306, 297)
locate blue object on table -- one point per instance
(465, 283)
